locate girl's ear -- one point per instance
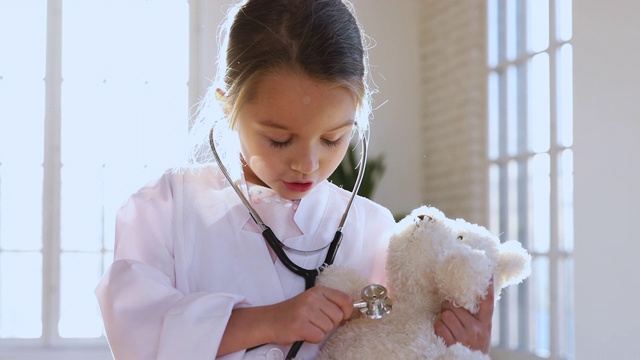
(224, 101)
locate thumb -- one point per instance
(485, 311)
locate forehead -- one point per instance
(281, 83)
(291, 98)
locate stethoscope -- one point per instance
(375, 303)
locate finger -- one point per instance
(443, 331)
(485, 311)
(313, 334)
(322, 322)
(335, 313)
(340, 299)
(330, 316)
(451, 320)
(462, 315)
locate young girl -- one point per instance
(193, 277)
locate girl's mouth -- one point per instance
(298, 186)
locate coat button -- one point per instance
(275, 354)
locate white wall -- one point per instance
(607, 178)
(395, 128)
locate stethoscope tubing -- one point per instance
(309, 275)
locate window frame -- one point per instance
(203, 22)
(559, 296)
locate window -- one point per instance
(73, 150)
(531, 168)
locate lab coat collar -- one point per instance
(311, 218)
(317, 233)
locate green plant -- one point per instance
(347, 172)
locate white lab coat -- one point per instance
(187, 253)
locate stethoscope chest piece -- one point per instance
(375, 302)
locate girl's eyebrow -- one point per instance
(275, 125)
(349, 122)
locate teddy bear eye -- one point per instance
(460, 237)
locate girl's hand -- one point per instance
(456, 324)
(310, 315)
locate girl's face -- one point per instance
(294, 132)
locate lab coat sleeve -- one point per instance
(145, 316)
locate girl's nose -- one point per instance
(305, 161)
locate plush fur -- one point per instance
(430, 259)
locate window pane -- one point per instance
(493, 33)
(122, 83)
(21, 80)
(510, 314)
(20, 294)
(21, 206)
(494, 198)
(512, 30)
(124, 121)
(541, 305)
(565, 198)
(567, 312)
(538, 25)
(82, 214)
(539, 105)
(21, 123)
(540, 201)
(513, 199)
(564, 20)
(79, 314)
(513, 117)
(494, 115)
(565, 95)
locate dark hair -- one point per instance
(318, 38)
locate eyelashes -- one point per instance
(283, 144)
(279, 144)
(333, 143)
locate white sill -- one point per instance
(18, 351)
(504, 354)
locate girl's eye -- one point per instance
(279, 144)
(332, 142)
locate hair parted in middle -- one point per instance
(320, 39)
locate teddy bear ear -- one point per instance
(514, 264)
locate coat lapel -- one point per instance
(318, 223)
(259, 278)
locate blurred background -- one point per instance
(519, 115)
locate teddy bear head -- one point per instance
(436, 258)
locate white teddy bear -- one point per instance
(430, 259)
